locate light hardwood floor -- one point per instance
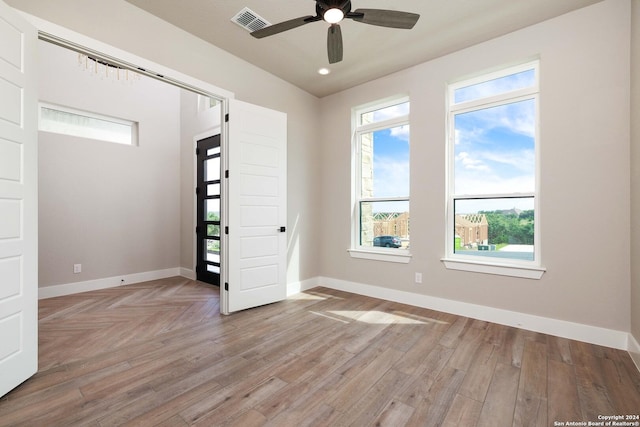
(159, 353)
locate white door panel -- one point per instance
(18, 201)
(256, 207)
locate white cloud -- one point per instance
(400, 132)
(520, 121)
(496, 86)
(472, 163)
(391, 112)
(523, 160)
(475, 182)
(391, 177)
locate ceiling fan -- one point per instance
(334, 11)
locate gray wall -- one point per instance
(115, 209)
(584, 164)
(124, 26)
(635, 171)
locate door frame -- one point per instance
(56, 34)
(216, 130)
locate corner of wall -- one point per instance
(634, 351)
(634, 348)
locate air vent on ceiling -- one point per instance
(249, 20)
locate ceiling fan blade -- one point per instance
(334, 44)
(284, 26)
(385, 18)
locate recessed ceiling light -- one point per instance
(324, 71)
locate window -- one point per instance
(492, 194)
(381, 181)
(67, 121)
(206, 103)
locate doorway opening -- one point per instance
(148, 167)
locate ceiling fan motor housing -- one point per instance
(324, 5)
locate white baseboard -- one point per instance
(297, 287)
(576, 331)
(634, 351)
(107, 282)
(188, 273)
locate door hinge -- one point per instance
(226, 286)
(226, 173)
(197, 190)
(197, 151)
(226, 229)
(197, 229)
(226, 117)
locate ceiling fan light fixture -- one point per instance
(333, 12)
(333, 15)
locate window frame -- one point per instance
(356, 250)
(132, 125)
(499, 266)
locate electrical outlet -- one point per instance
(77, 268)
(418, 277)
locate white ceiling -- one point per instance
(370, 52)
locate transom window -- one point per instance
(493, 144)
(381, 177)
(83, 124)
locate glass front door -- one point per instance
(208, 206)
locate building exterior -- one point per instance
(472, 230)
(391, 224)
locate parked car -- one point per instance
(387, 241)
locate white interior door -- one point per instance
(256, 208)
(18, 201)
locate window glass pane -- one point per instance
(385, 162)
(212, 151)
(213, 230)
(212, 210)
(385, 113)
(213, 190)
(205, 103)
(384, 224)
(496, 228)
(212, 250)
(212, 169)
(213, 268)
(497, 86)
(495, 149)
(85, 125)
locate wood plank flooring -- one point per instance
(159, 353)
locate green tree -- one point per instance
(511, 228)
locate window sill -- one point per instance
(497, 269)
(400, 255)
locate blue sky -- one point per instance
(390, 158)
(497, 86)
(494, 147)
(495, 150)
(391, 162)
